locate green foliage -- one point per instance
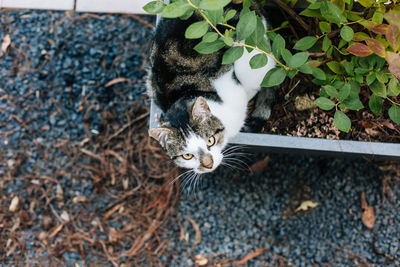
(353, 48)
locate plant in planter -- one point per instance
(349, 50)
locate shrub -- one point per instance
(350, 48)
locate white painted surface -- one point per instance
(111, 6)
(39, 4)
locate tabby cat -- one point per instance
(204, 102)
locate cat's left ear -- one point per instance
(161, 134)
(200, 110)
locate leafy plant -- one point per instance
(352, 47)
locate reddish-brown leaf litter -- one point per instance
(126, 168)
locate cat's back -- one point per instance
(176, 69)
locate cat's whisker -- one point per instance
(230, 166)
(239, 162)
(179, 176)
(234, 148)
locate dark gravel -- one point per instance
(52, 91)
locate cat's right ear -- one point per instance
(161, 134)
(200, 110)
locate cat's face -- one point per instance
(200, 146)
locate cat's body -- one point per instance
(204, 102)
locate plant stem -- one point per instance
(394, 103)
(262, 51)
(227, 25)
(236, 43)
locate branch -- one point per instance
(293, 14)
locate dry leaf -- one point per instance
(196, 228)
(117, 80)
(372, 132)
(305, 205)
(251, 256)
(65, 216)
(14, 204)
(260, 165)
(5, 44)
(55, 230)
(111, 211)
(368, 215)
(200, 260)
(388, 124)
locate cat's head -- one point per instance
(199, 146)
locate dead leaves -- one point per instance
(5, 44)
(117, 80)
(251, 256)
(305, 205)
(368, 215)
(197, 238)
(260, 165)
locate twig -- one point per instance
(126, 126)
(293, 14)
(145, 23)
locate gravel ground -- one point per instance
(53, 91)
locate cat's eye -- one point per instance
(211, 141)
(187, 156)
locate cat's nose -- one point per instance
(209, 166)
(207, 162)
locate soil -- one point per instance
(287, 119)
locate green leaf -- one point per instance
(246, 25)
(318, 74)
(330, 90)
(196, 30)
(208, 48)
(394, 113)
(175, 10)
(305, 69)
(324, 103)
(277, 45)
(264, 45)
(332, 12)
(344, 92)
(258, 61)
(154, 7)
(378, 88)
(366, 3)
(335, 67)
(258, 36)
(298, 59)
(286, 54)
(228, 40)
(347, 33)
(210, 37)
(326, 43)
(375, 104)
(382, 77)
(232, 54)
(348, 67)
(216, 16)
(393, 87)
(353, 16)
(310, 13)
(305, 43)
(291, 73)
(371, 77)
(274, 77)
(325, 27)
(229, 15)
(213, 4)
(341, 121)
(352, 104)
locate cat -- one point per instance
(204, 102)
